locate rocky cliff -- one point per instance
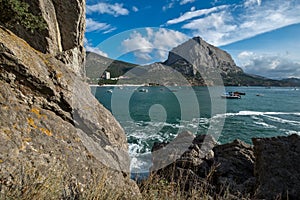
(268, 169)
(63, 36)
(50, 124)
(201, 62)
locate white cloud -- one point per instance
(182, 2)
(249, 3)
(168, 6)
(192, 14)
(105, 8)
(214, 27)
(137, 41)
(92, 25)
(90, 48)
(164, 40)
(135, 9)
(271, 66)
(96, 50)
(245, 55)
(109, 30)
(193, 8)
(154, 44)
(227, 24)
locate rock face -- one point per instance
(228, 166)
(267, 170)
(201, 62)
(235, 167)
(277, 167)
(49, 121)
(48, 117)
(65, 30)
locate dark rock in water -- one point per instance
(166, 153)
(277, 167)
(269, 170)
(235, 167)
(217, 168)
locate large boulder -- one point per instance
(235, 165)
(218, 168)
(51, 123)
(277, 167)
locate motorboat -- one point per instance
(143, 90)
(239, 93)
(231, 95)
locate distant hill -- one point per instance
(189, 61)
(293, 82)
(97, 64)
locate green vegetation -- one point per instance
(17, 12)
(95, 64)
(108, 82)
(119, 68)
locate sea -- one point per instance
(160, 113)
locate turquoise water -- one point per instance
(157, 114)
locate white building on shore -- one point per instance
(107, 75)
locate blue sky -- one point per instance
(263, 36)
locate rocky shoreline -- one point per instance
(57, 141)
(268, 169)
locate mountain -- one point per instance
(201, 63)
(194, 62)
(96, 65)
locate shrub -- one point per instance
(17, 12)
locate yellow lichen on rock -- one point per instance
(27, 139)
(36, 111)
(43, 130)
(38, 114)
(77, 139)
(58, 75)
(30, 121)
(46, 131)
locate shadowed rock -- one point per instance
(235, 167)
(216, 168)
(277, 167)
(269, 170)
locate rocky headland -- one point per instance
(58, 142)
(268, 169)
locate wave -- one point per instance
(140, 163)
(290, 132)
(283, 121)
(140, 134)
(264, 124)
(257, 113)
